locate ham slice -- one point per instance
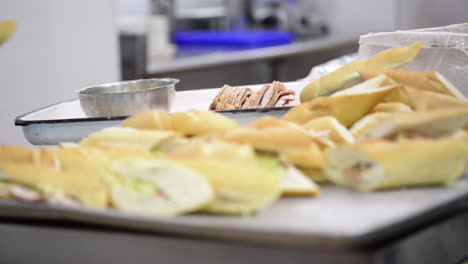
(287, 99)
(270, 95)
(255, 98)
(216, 100)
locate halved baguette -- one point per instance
(156, 187)
(423, 80)
(150, 120)
(298, 147)
(375, 165)
(346, 76)
(337, 132)
(240, 187)
(423, 100)
(125, 137)
(86, 187)
(433, 124)
(366, 123)
(295, 183)
(317, 175)
(391, 107)
(347, 109)
(198, 123)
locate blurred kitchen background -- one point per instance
(62, 45)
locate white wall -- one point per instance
(59, 46)
(431, 13)
(359, 17)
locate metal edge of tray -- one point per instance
(19, 121)
(413, 224)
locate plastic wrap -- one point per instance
(329, 66)
(445, 51)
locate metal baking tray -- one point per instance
(337, 218)
(66, 121)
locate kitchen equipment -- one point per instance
(128, 97)
(232, 40)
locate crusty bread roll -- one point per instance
(240, 187)
(296, 183)
(296, 145)
(150, 120)
(201, 123)
(213, 149)
(88, 188)
(346, 76)
(391, 107)
(125, 137)
(18, 154)
(374, 165)
(337, 132)
(365, 86)
(157, 187)
(347, 109)
(432, 124)
(423, 100)
(317, 175)
(423, 80)
(291, 182)
(269, 121)
(366, 123)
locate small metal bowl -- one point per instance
(128, 97)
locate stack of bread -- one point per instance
(370, 125)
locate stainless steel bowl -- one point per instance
(128, 97)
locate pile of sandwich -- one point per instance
(370, 125)
(270, 95)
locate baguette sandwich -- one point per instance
(375, 165)
(348, 75)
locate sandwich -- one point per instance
(294, 144)
(347, 108)
(198, 123)
(366, 123)
(432, 124)
(348, 75)
(150, 120)
(190, 123)
(157, 187)
(391, 107)
(421, 80)
(37, 175)
(338, 133)
(291, 182)
(129, 180)
(424, 100)
(297, 146)
(127, 138)
(379, 164)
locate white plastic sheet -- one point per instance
(445, 51)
